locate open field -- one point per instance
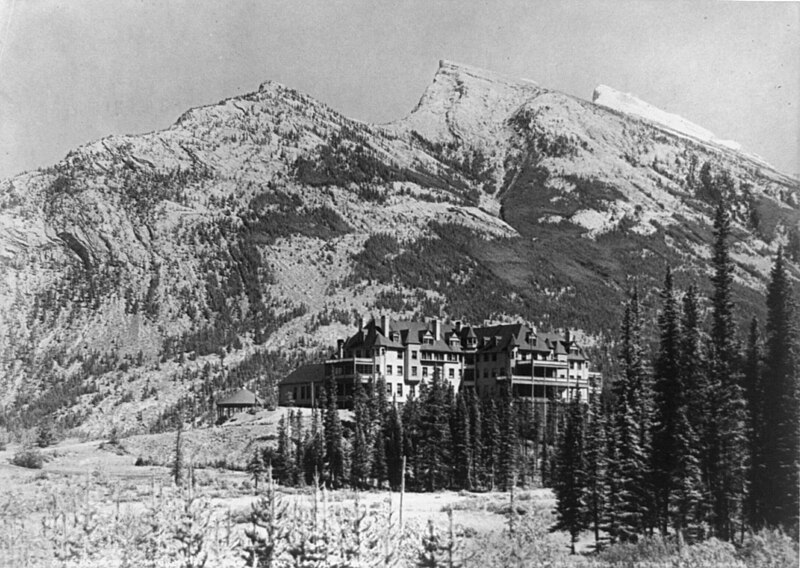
(91, 506)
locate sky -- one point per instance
(73, 71)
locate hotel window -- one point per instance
(399, 389)
(413, 354)
(399, 369)
(485, 373)
(388, 388)
(413, 371)
(452, 373)
(494, 356)
(388, 369)
(412, 389)
(424, 371)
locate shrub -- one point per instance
(769, 549)
(30, 458)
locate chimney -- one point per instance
(385, 325)
(340, 348)
(568, 337)
(437, 329)
(457, 325)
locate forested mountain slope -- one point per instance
(145, 272)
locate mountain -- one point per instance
(142, 275)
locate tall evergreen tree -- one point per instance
(695, 382)
(781, 435)
(315, 449)
(284, 459)
(462, 455)
(394, 447)
(177, 462)
(754, 506)
(631, 422)
(666, 389)
(476, 439)
(491, 434)
(596, 464)
(729, 444)
(360, 453)
(570, 477)
(435, 433)
(334, 450)
(508, 442)
(411, 436)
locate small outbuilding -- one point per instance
(303, 386)
(240, 401)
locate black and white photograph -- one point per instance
(436, 284)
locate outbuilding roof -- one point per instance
(305, 374)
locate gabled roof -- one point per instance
(242, 397)
(305, 374)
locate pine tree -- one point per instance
(177, 462)
(315, 449)
(696, 383)
(685, 477)
(394, 447)
(666, 389)
(570, 476)
(508, 442)
(360, 454)
(379, 414)
(476, 439)
(631, 422)
(255, 467)
(491, 435)
(781, 424)
(284, 459)
(435, 405)
(596, 464)
(411, 436)
(728, 451)
(334, 452)
(462, 455)
(754, 507)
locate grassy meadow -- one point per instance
(90, 506)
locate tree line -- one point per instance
(701, 440)
(448, 440)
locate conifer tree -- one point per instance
(508, 441)
(315, 449)
(666, 389)
(491, 435)
(596, 464)
(696, 384)
(631, 423)
(570, 477)
(435, 433)
(177, 462)
(476, 439)
(299, 447)
(412, 436)
(757, 485)
(255, 467)
(284, 459)
(686, 484)
(462, 455)
(360, 453)
(334, 451)
(781, 423)
(728, 444)
(394, 447)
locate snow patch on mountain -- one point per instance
(627, 103)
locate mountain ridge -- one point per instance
(145, 273)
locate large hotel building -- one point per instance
(544, 366)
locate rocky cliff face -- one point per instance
(145, 272)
